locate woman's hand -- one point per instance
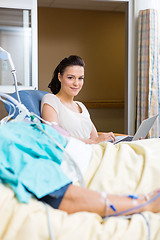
(103, 137)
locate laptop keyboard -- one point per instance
(126, 139)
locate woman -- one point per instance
(60, 107)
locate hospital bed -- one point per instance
(128, 168)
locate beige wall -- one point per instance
(98, 37)
(3, 112)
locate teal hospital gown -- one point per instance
(30, 161)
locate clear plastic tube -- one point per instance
(134, 208)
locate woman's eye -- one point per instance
(81, 78)
(70, 77)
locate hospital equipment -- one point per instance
(31, 99)
(32, 117)
(109, 204)
(120, 214)
(5, 56)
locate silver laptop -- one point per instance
(142, 131)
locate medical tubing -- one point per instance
(20, 106)
(134, 208)
(15, 83)
(148, 225)
(80, 177)
(9, 97)
(49, 222)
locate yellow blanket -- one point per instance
(123, 168)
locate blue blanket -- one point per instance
(30, 160)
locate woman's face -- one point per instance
(72, 80)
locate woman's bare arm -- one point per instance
(49, 113)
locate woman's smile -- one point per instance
(74, 88)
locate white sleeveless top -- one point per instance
(76, 124)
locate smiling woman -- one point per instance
(71, 81)
(61, 108)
